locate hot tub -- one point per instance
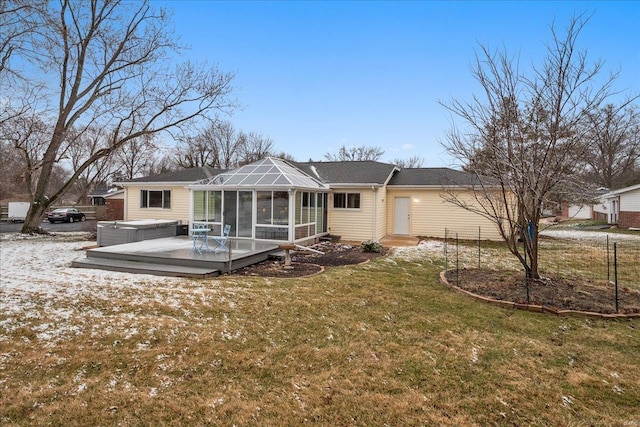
(119, 232)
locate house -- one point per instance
(273, 199)
(624, 207)
(109, 203)
(162, 196)
(586, 205)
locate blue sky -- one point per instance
(314, 76)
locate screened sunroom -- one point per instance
(266, 200)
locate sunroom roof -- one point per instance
(268, 172)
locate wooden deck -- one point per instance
(175, 256)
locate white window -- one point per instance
(155, 199)
(346, 200)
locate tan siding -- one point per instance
(381, 214)
(179, 204)
(354, 224)
(431, 216)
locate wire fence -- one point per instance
(600, 257)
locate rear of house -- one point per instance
(358, 201)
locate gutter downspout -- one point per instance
(374, 191)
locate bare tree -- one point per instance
(18, 20)
(285, 156)
(27, 134)
(136, 157)
(350, 154)
(227, 142)
(614, 146)
(194, 151)
(112, 65)
(411, 162)
(525, 137)
(11, 173)
(254, 147)
(218, 145)
(79, 149)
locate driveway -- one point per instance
(59, 227)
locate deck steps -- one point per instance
(140, 267)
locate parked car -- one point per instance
(65, 215)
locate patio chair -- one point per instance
(221, 241)
(199, 235)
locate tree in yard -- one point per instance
(351, 154)
(18, 20)
(108, 64)
(613, 133)
(136, 158)
(411, 162)
(255, 147)
(218, 146)
(525, 139)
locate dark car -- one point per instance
(65, 215)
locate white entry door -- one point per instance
(401, 216)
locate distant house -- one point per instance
(591, 206)
(274, 199)
(624, 207)
(99, 195)
(109, 203)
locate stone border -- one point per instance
(536, 308)
(294, 277)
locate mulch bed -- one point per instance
(304, 263)
(573, 293)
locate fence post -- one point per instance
(608, 260)
(457, 262)
(479, 235)
(615, 271)
(526, 271)
(445, 250)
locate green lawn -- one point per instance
(378, 344)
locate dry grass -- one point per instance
(379, 344)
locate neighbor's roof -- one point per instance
(186, 176)
(621, 191)
(353, 172)
(433, 177)
(269, 172)
(104, 192)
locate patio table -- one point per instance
(200, 239)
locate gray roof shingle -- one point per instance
(185, 175)
(433, 177)
(356, 172)
(336, 173)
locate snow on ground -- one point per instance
(587, 235)
(39, 289)
(37, 282)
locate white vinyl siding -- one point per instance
(630, 201)
(179, 209)
(354, 224)
(431, 215)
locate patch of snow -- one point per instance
(587, 235)
(37, 282)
